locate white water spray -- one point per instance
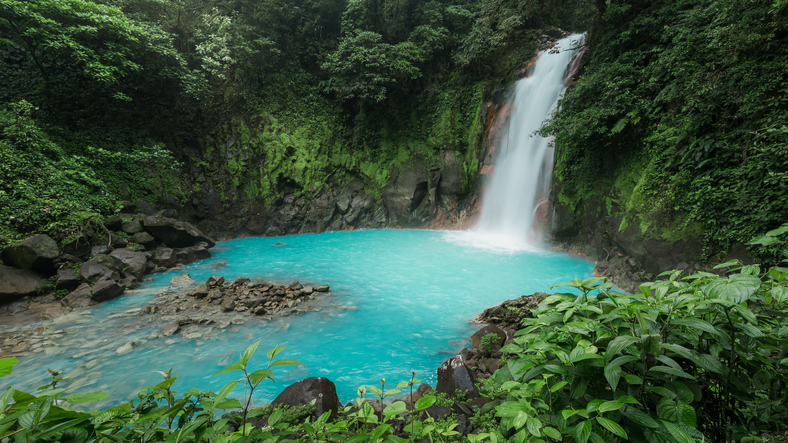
(523, 167)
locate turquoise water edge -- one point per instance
(401, 300)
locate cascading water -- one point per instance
(520, 180)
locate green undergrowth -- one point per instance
(689, 358)
(679, 117)
(55, 188)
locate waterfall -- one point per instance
(523, 165)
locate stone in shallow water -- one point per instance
(182, 281)
(171, 329)
(126, 348)
(322, 288)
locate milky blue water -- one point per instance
(413, 291)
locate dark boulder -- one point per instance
(68, 279)
(36, 253)
(108, 261)
(15, 283)
(80, 297)
(476, 338)
(133, 226)
(144, 239)
(106, 289)
(127, 207)
(113, 223)
(133, 262)
(454, 375)
(191, 254)
(175, 233)
(164, 257)
(92, 272)
(201, 291)
(313, 388)
(145, 207)
(296, 285)
(79, 247)
(214, 280)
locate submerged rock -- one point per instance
(106, 289)
(126, 348)
(182, 281)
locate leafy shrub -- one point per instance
(690, 357)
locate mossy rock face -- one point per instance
(36, 253)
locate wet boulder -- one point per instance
(80, 297)
(175, 233)
(322, 288)
(313, 388)
(91, 272)
(454, 375)
(201, 291)
(191, 254)
(113, 223)
(164, 257)
(108, 261)
(133, 226)
(214, 280)
(36, 253)
(144, 239)
(182, 281)
(133, 262)
(17, 283)
(68, 279)
(106, 289)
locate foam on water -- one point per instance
(415, 292)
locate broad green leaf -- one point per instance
(593, 405)
(6, 364)
(582, 431)
(273, 351)
(586, 356)
(534, 426)
(612, 426)
(261, 374)
(233, 367)
(611, 405)
(671, 371)
(398, 407)
(738, 288)
(273, 419)
(679, 434)
(566, 413)
(779, 231)
(425, 402)
(613, 376)
(618, 344)
(74, 435)
(552, 433)
(666, 409)
(641, 418)
(746, 314)
(248, 353)
(728, 264)
(225, 390)
(750, 330)
(558, 386)
(696, 323)
(6, 398)
(290, 362)
(375, 390)
(682, 391)
(88, 397)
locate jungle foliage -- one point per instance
(681, 109)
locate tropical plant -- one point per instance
(689, 358)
